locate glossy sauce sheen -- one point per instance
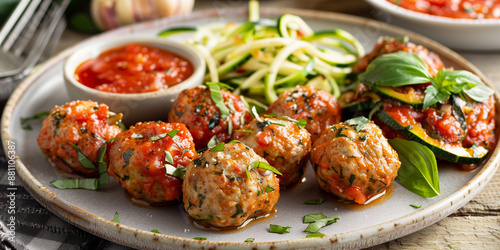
(134, 68)
(467, 9)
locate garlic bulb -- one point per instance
(109, 14)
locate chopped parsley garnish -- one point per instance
(269, 189)
(249, 240)
(168, 157)
(278, 229)
(239, 211)
(116, 218)
(82, 158)
(218, 147)
(318, 234)
(200, 238)
(314, 202)
(416, 206)
(358, 123)
(137, 136)
(318, 221)
(178, 172)
(155, 231)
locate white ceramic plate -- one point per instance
(360, 226)
(460, 34)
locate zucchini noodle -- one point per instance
(263, 58)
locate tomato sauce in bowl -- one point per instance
(464, 9)
(134, 68)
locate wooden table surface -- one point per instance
(474, 226)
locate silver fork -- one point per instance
(26, 34)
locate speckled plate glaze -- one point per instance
(385, 219)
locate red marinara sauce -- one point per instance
(466, 9)
(134, 68)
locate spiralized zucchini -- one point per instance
(262, 59)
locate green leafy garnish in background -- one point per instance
(418, 171)
(403, 68)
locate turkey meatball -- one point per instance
(318, 107)
(140, 159)
(225, 188)
(77, 127)
(282, 143)
(354, 165)
(195, 108)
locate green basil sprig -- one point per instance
(418, 171)
(403, 68)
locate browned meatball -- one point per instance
(354, 165)
(140, 157)
(195, 108)
(388, 45)
(218, 192)
(282, 143)
(85, 125)
(318, 107)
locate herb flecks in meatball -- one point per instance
(77, 127)
(319, 108)
(224, 188)
(282, 142)
(140, 158)
(196, 108)
(352, 163)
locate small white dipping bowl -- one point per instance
(150, 106)
(459, 34)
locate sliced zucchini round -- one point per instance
(414, 99)
(450, 152)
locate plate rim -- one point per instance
(127, 235)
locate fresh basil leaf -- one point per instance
(418, 171)
(116, 218)
(397, 69)
(358, 123)
(278, 229)
(137, 136)
(263, 165)
(314, 202)
(233, 141)
(313, 217)
(315, 235)
(168, 157)
(269, 189)
(87, 183)
(82, 158)
(178, 172)
(157, 137)
(218, 147)
(216, 95)
(318, 221)
(35, 117)
(172, 133)
(301, 123)
(479, 93)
